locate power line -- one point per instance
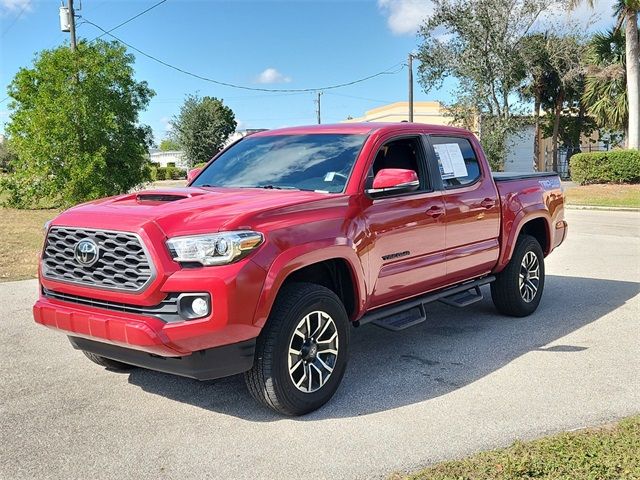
(128, 20)
(244, 87)
(22, 10)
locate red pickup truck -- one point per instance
(284, 241)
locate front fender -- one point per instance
(300, 256)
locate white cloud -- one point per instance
(271, 75)
(15, 6)
(405, 16)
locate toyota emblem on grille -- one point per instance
(86, 252)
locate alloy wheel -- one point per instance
(313, 351)
(529, 279)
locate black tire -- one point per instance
(505, 291)
(108, 363)
(269, 381)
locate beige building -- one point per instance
(423, 112)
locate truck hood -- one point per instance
(190, 210)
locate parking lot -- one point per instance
(466, 380)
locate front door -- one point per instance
(407, 231)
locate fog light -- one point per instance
(194, 305)
(200, 307)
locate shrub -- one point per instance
(615, 166)
(179, 174)
(200, 165)
(161, 173)
(171, 164)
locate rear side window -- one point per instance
(457, 161)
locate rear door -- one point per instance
(405, 231)
(472, 220)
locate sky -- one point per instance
(258, 44)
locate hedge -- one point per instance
(615, 166)
(168, 173)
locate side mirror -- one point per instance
(394, 181)
(193, 173)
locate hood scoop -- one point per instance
(160, 197)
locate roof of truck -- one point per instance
(362, 128)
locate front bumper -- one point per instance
(202, 365)
(234, 290)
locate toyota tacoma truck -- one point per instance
(287, 239)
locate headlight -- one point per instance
(215, 248)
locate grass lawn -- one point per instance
(21, 237)
(604, 195)
(610, 452)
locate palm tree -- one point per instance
(605, 93)
(626, 12)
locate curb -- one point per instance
(596, 207)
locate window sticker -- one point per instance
(450, 160)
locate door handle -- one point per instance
(488, 203)
(435, 211)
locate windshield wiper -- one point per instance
(276, 187)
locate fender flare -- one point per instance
(302, 256)
(523, 217)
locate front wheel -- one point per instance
(517, 290)
(301, 354)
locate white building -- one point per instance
(172, 156)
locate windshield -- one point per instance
(320, 162)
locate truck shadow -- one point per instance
(454, 348)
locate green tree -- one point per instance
(477, 42)
(626, 13)
(168, 144)
(7, 156)
(565, 83)
(74, 126)
(605, 91)
(202, 127)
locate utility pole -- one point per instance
(410, 65)
(72, 25)
(318, 108)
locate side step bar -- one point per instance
(411, 312)
(463, 299)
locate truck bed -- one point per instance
(506, 176)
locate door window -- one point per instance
(403, 153)
(457, 161)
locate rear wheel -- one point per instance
(518, 288)
(301, 354)
(108, 363)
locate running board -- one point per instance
(401, 320)
(463, 299)
(412, 312)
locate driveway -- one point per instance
(464, 381)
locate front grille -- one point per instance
(122, 264)
(167, 310)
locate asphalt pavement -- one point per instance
(464, 381)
